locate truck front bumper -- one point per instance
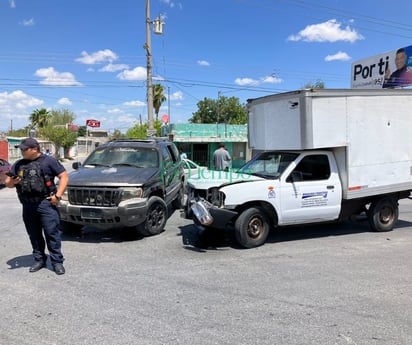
(128, 213)
(211, 216)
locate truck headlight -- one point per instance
(131, 193)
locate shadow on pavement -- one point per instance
(200, 240)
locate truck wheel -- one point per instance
(70, 228)
(252, 227)
(383, 214)
(156, 217)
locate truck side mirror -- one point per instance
(76, 165)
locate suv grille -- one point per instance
(84, 196)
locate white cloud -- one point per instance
(97, 57)
(12, 4)
(64, 101)
(19, 99)
(246, 82)
(27, 22)
(134, 104)
(340, 56)
(329, 31)
(255, 82)
(176, 95)
(115, 111)
(172, 3)
(113, 67)
(270, 79)
(55, 78)
(138, 73)
(17, 106)
(203, 63)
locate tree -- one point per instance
(82, 132)
(223, 110)
(318, 84)
(56, 131)
(117, 134)
(22, 132)
(39, 118)
(60, 137)
(158, 98)
(139, 131)
(61, 117)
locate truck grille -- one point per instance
(83, 196)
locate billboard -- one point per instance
(93, 123)
(386, 70)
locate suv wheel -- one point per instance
(156, 217)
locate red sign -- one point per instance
(93, 123)
(73, 128)
(165, 118)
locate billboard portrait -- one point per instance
(387, 70)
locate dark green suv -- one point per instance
(124, 184)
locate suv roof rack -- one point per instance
(150, 139)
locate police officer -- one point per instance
(33, 177)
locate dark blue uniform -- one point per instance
(39, 215)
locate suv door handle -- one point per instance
(330, 187)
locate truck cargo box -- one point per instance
(369, 131)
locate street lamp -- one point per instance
(158, 29)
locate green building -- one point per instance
(199, 141)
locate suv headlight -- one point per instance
(131, 193)
(65, 196)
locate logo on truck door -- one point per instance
(314, 199)
(271, 193)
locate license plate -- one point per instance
(88, 213)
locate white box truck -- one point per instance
(322, 155)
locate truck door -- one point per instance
(311, 192)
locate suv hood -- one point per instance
(116, 175)
(211, 178)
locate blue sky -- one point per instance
(87, 56)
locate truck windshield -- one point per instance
(129, 156)
(268, 164)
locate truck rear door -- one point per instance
(311, 192)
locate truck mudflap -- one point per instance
(211, 216)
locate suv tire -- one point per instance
(156, 217)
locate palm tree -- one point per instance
(158, 98)
(39, 118)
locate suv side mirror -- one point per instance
(76, 165)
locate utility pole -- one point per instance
(218, 113)
(148, 46)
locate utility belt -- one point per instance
(32, 199)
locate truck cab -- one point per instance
(285, 187)
(322, 156)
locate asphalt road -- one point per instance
(333, 284)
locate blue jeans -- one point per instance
(42, 217)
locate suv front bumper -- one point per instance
(128, 213)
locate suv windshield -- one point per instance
(268, 164)
(132, 156)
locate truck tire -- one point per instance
(70, 228)
(383, 214)
(156, 217)
(252, 227)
